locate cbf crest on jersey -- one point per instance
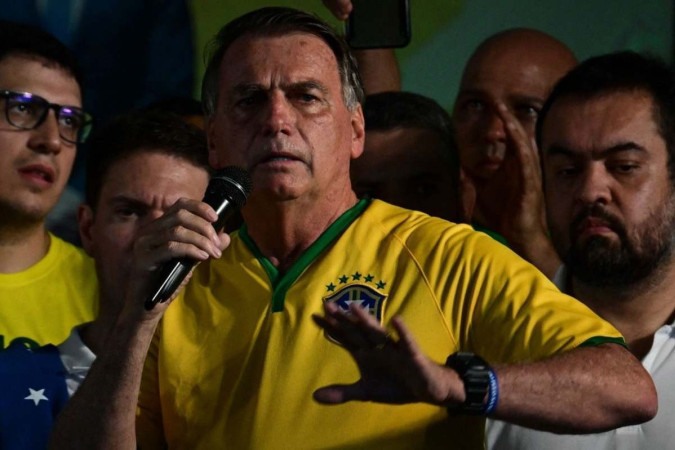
(364, 290)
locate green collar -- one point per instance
(282, 283)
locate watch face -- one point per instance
(475, 373)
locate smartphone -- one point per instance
(378, 24)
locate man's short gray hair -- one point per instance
(273, 21)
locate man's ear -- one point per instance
(85, 222)
(358, 132)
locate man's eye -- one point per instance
(126, 212)
(249, 99)
(308, 98)
(246, 101)
(567, 171)
(25, 109)
(474, 105)
(624, 168)
(71, 121)
(528, 112)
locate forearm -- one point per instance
(378, 67)
(102, 412)
(585, 390)
(379, 70)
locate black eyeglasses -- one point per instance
(27, 111)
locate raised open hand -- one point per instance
(392, 371)
(513, 199)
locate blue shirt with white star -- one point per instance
(32, 392)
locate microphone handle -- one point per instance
(174, 272)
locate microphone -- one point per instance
(226, 193)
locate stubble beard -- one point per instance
(628, 261)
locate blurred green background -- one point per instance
(445, 32)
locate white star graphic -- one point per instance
(36, 396)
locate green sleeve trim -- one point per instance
(493, 234)
(599, 340)
(282, 283)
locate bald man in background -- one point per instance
(506, 81)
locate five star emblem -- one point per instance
(36, 396)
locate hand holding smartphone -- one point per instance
(378, 24)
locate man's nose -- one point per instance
(494, 127)
(594, 185)
(45, 137)
(279, 114)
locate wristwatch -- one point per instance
(477, 377)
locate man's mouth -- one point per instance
(593, 226)
(40, 173)
(277, 157)
(491, 161)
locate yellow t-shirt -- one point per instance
(41, 304)
(236, 360)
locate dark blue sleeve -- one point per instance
(32, 392)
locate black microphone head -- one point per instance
(235, 183)
(226, 193)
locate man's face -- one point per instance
(34, 164)
(134, 192)
(520, 81)
(281, 115)
(405, 166)
(608, 193)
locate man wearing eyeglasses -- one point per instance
(47, 286)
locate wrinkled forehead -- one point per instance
(602, 124)
(171, 177)
(285, 61)
(283, 49)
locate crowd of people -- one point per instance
(399, 277)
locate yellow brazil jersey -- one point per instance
(237, 357)
(41, 304)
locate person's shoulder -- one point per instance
(419, 229)
(71, 254)
(402, 220)
(432, 239)
(75, 270)
(20, 358)
(59, 245)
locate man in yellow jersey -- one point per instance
(238, 356)
(47, 286)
